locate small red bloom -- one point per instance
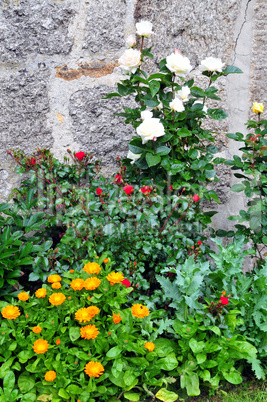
(171, 188)
(99, 191)
(80, 155)
(224, 300)
(118, 158)
(128, 189)
(195, 198)
(126, 282)
(118, 179)
(32, 161)
(146, 190)
(199, 242)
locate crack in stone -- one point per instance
(240, 30)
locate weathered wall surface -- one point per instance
(58, 58)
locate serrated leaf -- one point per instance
(154, 87)
(152, 160)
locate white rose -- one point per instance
(144, 28)
(211, 64)
(133, 156)
(150, 129)
(178, 64)
(131, 40)
(146, 114)
(205, 109)
(177, 105)
(130, 61)
(183, 93)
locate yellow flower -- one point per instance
(92, 268)
(106, 260)
(77, 284)
(56, 285)
(139, 311)
(258, 107)
(116, 318)
(92, 283)
(115, 277)
(10, 312)
(50, 376)
(40, 293)
(94, 369)
(150, 346)
(92, 310)
(23, 296)
(54, 278)
(37, 329)
(40, 346)
(57, 298)
(86, 314)
(89, 332)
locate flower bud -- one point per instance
(131, 40)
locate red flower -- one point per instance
(126, 282)
(199, 242)
(118, 179)
(224, 300)
(195, 198)
(128, 189)
(146, 190)
(32, 161)
(171, 188)
(99, 191)
(80, 155)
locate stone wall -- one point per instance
(58, 58)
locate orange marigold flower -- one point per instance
(109, 333)
(23, 296)
(89, 332)
(92, 310)
(69, 297)
(150, 346)
(116, 318)
(115, 277)
(37, 329)
(40, 346)
(82, 315)
(50, 375)
(94, 369)
(58, 341)
(71, 271)
(139, 311)
(92, 283)
(92, 268)
(56, 285)
(106, 260)
(27, 315)
(57, 299)
(40, 293)
(223, 292)
(54, 278)
(10, 312)
(77, 284)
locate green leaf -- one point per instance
(136, 149)
(63, 393)
(183, 132)
(25, 382)
(163, 150)
(74, 389)
(232, 70)
(236, 188)
(150, 101)
(164, 346)
(233, 376)
(8, 383)
(197, 92)
(217, 114)
(210, 93)
(74, 333)
(154, 76)
(132, 396)
(166, 396)
(168, 363)
(30, 397)
(114, 352)
(125, 90)
(191, 383)
(111, 95)
(154, 87)
(152, 160)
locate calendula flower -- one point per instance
(116, 318)
(71, 271)
(54, 278)
(115, 277)
(106, 260)
(92, 283)
(94, 369)
(150, 346)
(56, 285)
(92, 268)
(40, 346)
(77, 284)
(23, 296)
(92, 310)
(50, 375)
(37, 329)
(40, 293)
(82, 315)
(139, 311)
(89, 332)
(58, 342)
(10, 312)
(57, 299)
(258, 107)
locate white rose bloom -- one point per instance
(205, 109)
(183, 93)
(211, 64)
(131, 40)
(178, 64)
(133, 156)
(146, 114)
(130, 61)
(177, 105)
(149, 129)
(144, 28)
